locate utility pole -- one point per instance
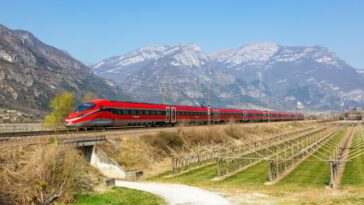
(163, 92)
(295, 119)
(209, 105)
(270, 108)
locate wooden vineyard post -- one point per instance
(333, 173)
(198, 154)
(174, 165)
(271, 170)
(218, 167)
(285, 155)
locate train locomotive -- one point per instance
(108, 113)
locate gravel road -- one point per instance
(177, 194)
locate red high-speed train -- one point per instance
(108, 113)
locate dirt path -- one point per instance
(177, 194)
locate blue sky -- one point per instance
(94, 30)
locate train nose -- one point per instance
(69, 121)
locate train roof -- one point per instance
(187, 107)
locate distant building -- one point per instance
(11, 116)
(354, 114)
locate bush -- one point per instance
(165, 141)
(135, 154)
(233, 131)
(61, 106)
(30, 176)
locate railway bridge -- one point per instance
(87, 144)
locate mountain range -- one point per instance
(260, 75)
(31, 73)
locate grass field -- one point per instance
(313, 172)
(310, 172)
(119, 196)
(306, 184)
(354, 170)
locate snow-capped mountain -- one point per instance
(262, 74)
(360, 71)
(253, 54)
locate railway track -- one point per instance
(67, 131)
(8, 135)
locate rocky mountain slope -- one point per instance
(31, 73)
(360, 71)
(257, 75)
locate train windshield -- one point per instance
(85, 106)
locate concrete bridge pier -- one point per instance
(97, 157)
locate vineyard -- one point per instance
(320, 155)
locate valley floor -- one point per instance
(306, 184)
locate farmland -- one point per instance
(303, 178)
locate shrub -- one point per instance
(135, 154)
(61, 106)
(32, 175)
(233, 131)
(165, 141)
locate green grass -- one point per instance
(313, 172)
(354, 170)
(255, 175)
(119, 196)
(202, 175)
(304, 185)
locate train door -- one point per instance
(245, 114)
(168, 115)
(216, 115)
(173, 115)
(265, 116)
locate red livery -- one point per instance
(107, 113)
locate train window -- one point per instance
(146, 112)
(117, 111)
(159, 112)
(85, 106)
(133, 112)
(125, 112)
(152, 112)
